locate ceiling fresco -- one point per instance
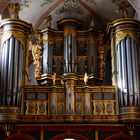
(36, 11)
(70, 7)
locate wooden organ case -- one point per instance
(70, 70)
(70, 63)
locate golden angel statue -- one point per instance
(85, 78)
(53, 78)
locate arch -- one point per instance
(19, 137)
(120, 137)
(69, 135)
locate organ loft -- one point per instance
(87, 79)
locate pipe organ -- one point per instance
(68, 50)
(70, 69)
(125, 56)
(13, 68)
(69, 56)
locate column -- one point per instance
(86, 101)
(70, 102)
(53, 102)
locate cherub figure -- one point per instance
(14, 9)
(53, 78)
(85, 78)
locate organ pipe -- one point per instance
(125, 35)
(13, 68)
(70, 51)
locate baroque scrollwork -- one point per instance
(104, 107)
(120, 35)
(70, 30)
(18, 35)
(101, 56)
(36, 107)
(37, 57)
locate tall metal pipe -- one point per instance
(14, 64)
(119, 70)
(47, 58)
(135, 73)
(129, 69)
(70, 50)
(125, 34)
(124, 72)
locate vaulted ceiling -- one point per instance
(35, 11)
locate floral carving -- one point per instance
(120, 35)
(37, 57)
(70, 30)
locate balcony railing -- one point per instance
(46, 104)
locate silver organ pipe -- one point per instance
(124, 72)
(135, 72)
(4, 70)
(125, 34)
(10, 69)
(47, 58)
(16, 68)
(119, 70)
(20, 77)
(70, 51)
(13, 66)
(129, 69)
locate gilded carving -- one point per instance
(86, 78)
(48, 21)
(81, 58)
(45, 38)
(51, 40)
(104, 107)
(70, 30)
(120, 35)
(56, 58)
(81, 39)
(36, 107)
(14, 10)
(17, 34)
(58, 40)
(53, 78)
(101, 58)
(98, 107)
(90, 40)
(37, 57)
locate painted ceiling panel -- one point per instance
(35, 11)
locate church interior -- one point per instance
(69, 69)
